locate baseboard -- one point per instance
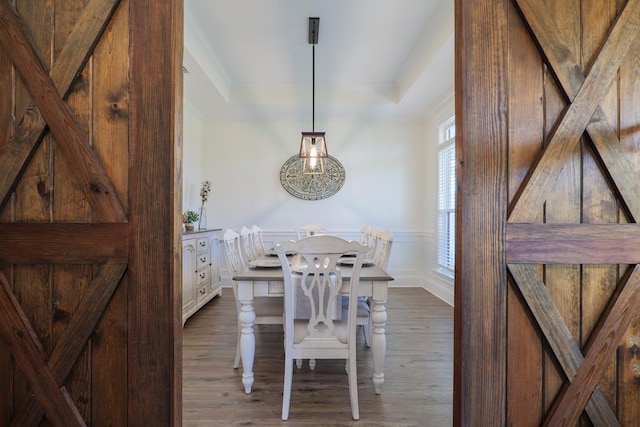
(441, 287)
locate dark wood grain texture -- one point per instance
(568, 72)
(559, 337)
(110, 140)
(23, 342)
(481, 149)
(562, 203)
(573, 243)
(577, 116)
(572, 188)
(32, 202)
(63, 125)
(608, 335)
(524, 357)
(69, 205)
(6, 117)
(64, 243)
(69, 62)
(628, 354)
(603, 188)
(154, 299)
(74, 338)
(67, 239)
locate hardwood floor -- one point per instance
(418, 389)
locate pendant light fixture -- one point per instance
(313, 147)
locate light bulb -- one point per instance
(314, 156)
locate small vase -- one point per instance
(188, 227)
(202, 223)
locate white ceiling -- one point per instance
(375, 59)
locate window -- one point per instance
(447, 197)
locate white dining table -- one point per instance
(269, 282)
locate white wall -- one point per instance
(391, 180)
(384, 176)
(191, 155)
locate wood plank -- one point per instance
(572, 243)
(600, 349)
(481, 81)
(109, 353)
(25, 347)
(6, 127)
(629, 356)
(579, 112)
(76, 335)
(64, 127)
(32, 201)
(110, 108)
(562, 204)
(175, 201)
(559, 337)
(69, 205)
(526, 119)
(156, 44)
(64, 243)
(600, 199)
(110, 140)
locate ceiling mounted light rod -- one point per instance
(313, 148)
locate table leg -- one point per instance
(378, 341)
(247, 317)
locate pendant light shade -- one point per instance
(313, 147)
(313, 152)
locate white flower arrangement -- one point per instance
(204, 192)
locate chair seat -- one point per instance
(363, 318)
(363, 308)
(362, 313)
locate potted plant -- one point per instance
(188, 218)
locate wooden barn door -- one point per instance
(547, 275)
(90, 124)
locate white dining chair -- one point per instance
(318, 277)
(268, 310)
(365, 235)
(310, 230)
(383, 248)
(368, 238)
(246, 241)
(258, 242)
(372, 245)
(381, 240)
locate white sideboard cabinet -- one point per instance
(201, 279)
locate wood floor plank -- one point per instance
(418, 389)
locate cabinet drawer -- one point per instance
(202, 292)
(202, 260)
(203, 275)
(202, 245)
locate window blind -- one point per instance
(447, 199)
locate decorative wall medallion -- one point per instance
(312, 187)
